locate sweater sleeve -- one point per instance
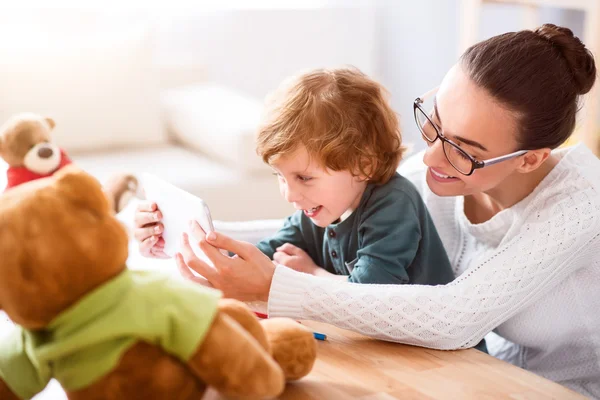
(559, 234)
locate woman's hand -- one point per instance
(295, 258)
(148, 230)
(246, 276)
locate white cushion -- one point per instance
(217, 121)
(100, 89)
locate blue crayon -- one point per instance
(319, 336)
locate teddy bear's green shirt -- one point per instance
(87, 340)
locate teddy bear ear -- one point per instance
(82, 189)
(50, 122)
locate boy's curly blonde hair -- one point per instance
(342, 118)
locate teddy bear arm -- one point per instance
(6, 393)
(119, 189)
(233, 362)
(292, 346)
(242, 314)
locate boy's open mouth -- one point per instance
(312, 212)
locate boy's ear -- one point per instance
(50, 122)
(0, 145)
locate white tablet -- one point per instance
(178, 207)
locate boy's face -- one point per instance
(322, 194)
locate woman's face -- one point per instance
(471, 118)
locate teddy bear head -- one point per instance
(59, 240)
(25, 141)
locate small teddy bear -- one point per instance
(106, 332)
(26, 146)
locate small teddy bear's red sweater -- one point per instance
(19, 175)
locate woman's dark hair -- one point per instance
(539, 75)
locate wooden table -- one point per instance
(352, 366)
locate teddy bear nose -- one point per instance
(45, 152)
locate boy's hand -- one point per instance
(148, 230)
(295, 258)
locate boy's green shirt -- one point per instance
(389, 239)
(87, 340)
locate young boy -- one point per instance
(334, 143)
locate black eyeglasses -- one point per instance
(457, 157)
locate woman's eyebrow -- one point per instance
(459, 138)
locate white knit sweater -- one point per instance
(532, 273)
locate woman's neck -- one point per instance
(480, 207)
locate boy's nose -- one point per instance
(291, 195)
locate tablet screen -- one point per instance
(178, 207)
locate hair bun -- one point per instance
(580, 60)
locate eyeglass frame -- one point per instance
(475, 164)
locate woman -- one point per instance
(519, 220)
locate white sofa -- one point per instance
(115, 113)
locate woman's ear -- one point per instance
(50, 122)
(533, 159)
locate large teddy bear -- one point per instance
(107, 332)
